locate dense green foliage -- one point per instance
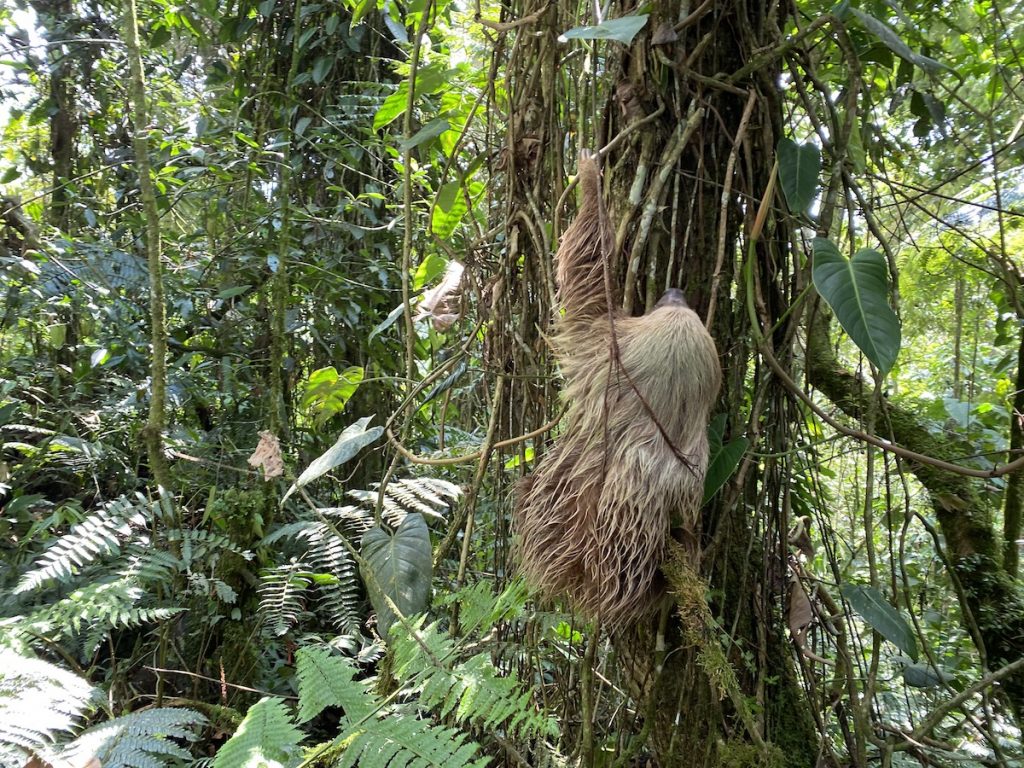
(286, 541)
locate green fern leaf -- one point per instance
(137, 740)
(480, 609)
(266, 737)
(282, 595)
(94, 609)
(98, 535)
(473, 691)
(407, 742)
(38, 701)
(325, 681)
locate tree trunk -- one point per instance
(686, 154)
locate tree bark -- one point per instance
(685, 155)
(153, 430)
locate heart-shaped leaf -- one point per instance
(799, 166)
(401, 568)
(883, 618)
(857, 289)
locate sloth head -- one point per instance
(673, 297)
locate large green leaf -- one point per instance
(857, 289)
(431, 130)
(401, 569)
(799, 166)
(450, 209)
(894, 43)
(883, 618)
(623, 30)
(327, 392)
(355, 437)
(723, 458)
(429, 79)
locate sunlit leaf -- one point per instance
(622, 30)
(799, 166)
(857, 289)
(355, 437)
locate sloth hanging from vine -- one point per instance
(593, 519)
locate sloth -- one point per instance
(593, 518)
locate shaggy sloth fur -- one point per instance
(593, 518)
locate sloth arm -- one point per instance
(582, 254)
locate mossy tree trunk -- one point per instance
(154, 428)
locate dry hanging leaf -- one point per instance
(268, 456)
(800, 612)
(438, 303)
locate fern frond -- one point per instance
(137, 740)
(480, 609)
(266, 737)
(351, 520)
(282, 595)
(94, 609)
(473, 691)
(38, 701)
(339, 599)
(407, 742)
(198, 545)
(149, 565)
(430, 496)
(327, 680)
(326, 553)
(98, 535)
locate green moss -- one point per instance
(738, 754)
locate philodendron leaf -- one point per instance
(883, 618)
(623, 30)
(355, 437)
(857, 289)
(401, 568)
(799, 166)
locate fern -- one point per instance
(98, 535)
(282, 592)
(38, 702)
(266, 737)
(197, 545)
(95, 609)
(136, 740)
(473, 690)
(430, 496)
(326, 553)
(480, 609)
(327, 680)
(406, 742)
